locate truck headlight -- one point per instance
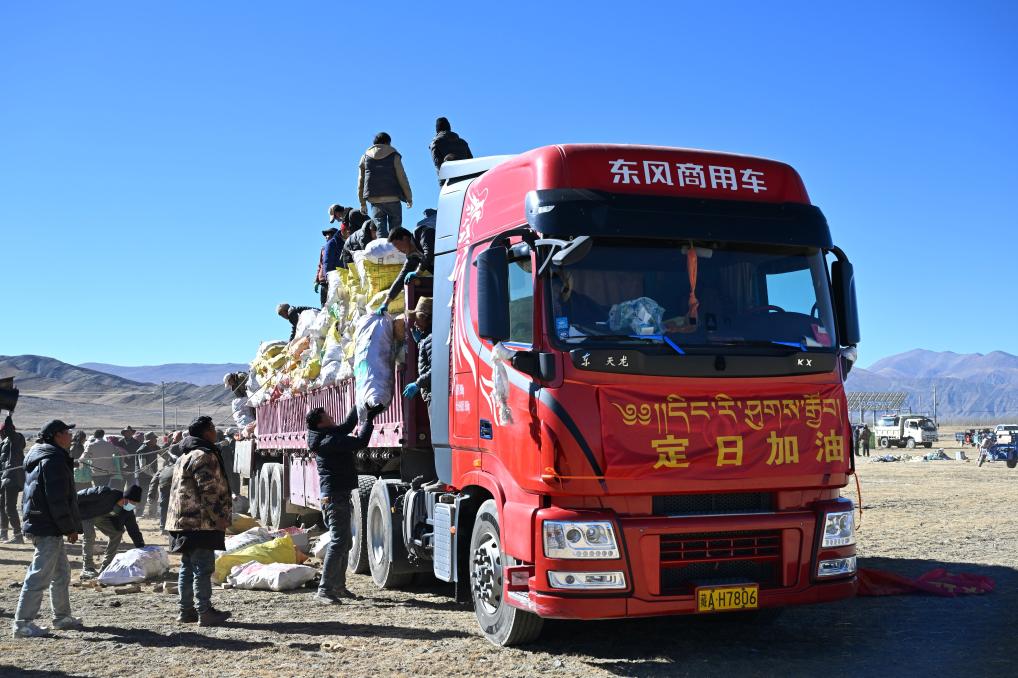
(839, 529)
(838, 567)
(587, 539)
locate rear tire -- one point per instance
(500, 622)
(1012, 457)
(379, 537)
(252, 495)
(278, 517)
(264, 490)
(884, 443)
(358, 563)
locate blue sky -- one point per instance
(165, 168)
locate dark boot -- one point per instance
(213, 617)
(188, 616)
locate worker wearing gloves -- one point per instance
(334, 447)
(419, 322)
(50, 512)
(111, 512)
(419, 248)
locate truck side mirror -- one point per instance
(846, 309)
(493, 294)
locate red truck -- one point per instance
(639, 357)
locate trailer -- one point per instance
(638, 405)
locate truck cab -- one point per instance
(644, 410)
(1004, 433)
(905, 431)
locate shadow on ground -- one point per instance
(901, 635)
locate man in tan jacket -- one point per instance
(201, 508)
(382, 182)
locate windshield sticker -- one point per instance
(687, 174)
(562, 326)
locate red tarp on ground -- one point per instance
(938, 582)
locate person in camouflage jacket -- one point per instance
(200, 510)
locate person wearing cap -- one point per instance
(362, 231)
(382, 182)
(50, 512)
(292, 315)
(419, 248)
(131, 443)
(111, 512)
(419, 323)
(12, 480)
(329, 258)
(201, 508)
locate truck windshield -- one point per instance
(743, 295)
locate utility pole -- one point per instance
(934, 402)
(162, 388)
(175, 424)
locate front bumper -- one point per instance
(664, 559)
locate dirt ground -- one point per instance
(917, 516)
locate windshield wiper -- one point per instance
(652, 338)
(759, 343)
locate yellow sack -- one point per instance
(378, 277)
(281, 550)
(242, 523)
(312, 369)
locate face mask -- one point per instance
(416, 334)
(129, 506)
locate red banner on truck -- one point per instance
(706, 435)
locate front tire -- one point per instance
(927, 445)
(500, 622)
(358, 563)
(884, 443)
(910, 443)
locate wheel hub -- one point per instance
(486, 574)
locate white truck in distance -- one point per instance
(1004, 433)
(905, 431)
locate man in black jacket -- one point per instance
(50, 513)
(362, 232)
(292, 314)
(111, 512)
(145, 466)
(419, 322)
(419, 248)
(12, 480)
(447, 142)
(334, 448)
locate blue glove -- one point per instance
(409, 276)
(382, 309)
(411, 390)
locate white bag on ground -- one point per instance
(136, 565)
(321, 545)
(256, 535)
(272, 577)
(373, 361)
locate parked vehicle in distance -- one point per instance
(1005, 433)
(903, 430)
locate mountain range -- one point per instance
(201, 374)
(51, 389)
(971, 387)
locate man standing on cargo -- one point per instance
(328, 260)
(446, 143)
(201, 508)
(419, 249)
(334, 448)
(382, 182)
(50, 511)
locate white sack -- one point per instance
(253, 575)
(321, 546)
(136, 565)
(243, 413)
(373, 361)
(330, 373)
(304, 323)
(382, 251)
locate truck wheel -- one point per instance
(358, 562)
(379, 536)
(264, 489)
(278, 517)
(252, 495)
(910, 443)
(1012, 457)
(884, 443)
(927, 445)
(500, 622)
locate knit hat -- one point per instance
(133, 494)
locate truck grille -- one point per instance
(713, 504)
(689, 560)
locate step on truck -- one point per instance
(638, 404)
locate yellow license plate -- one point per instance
(722, 598)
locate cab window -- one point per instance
(521, 301)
